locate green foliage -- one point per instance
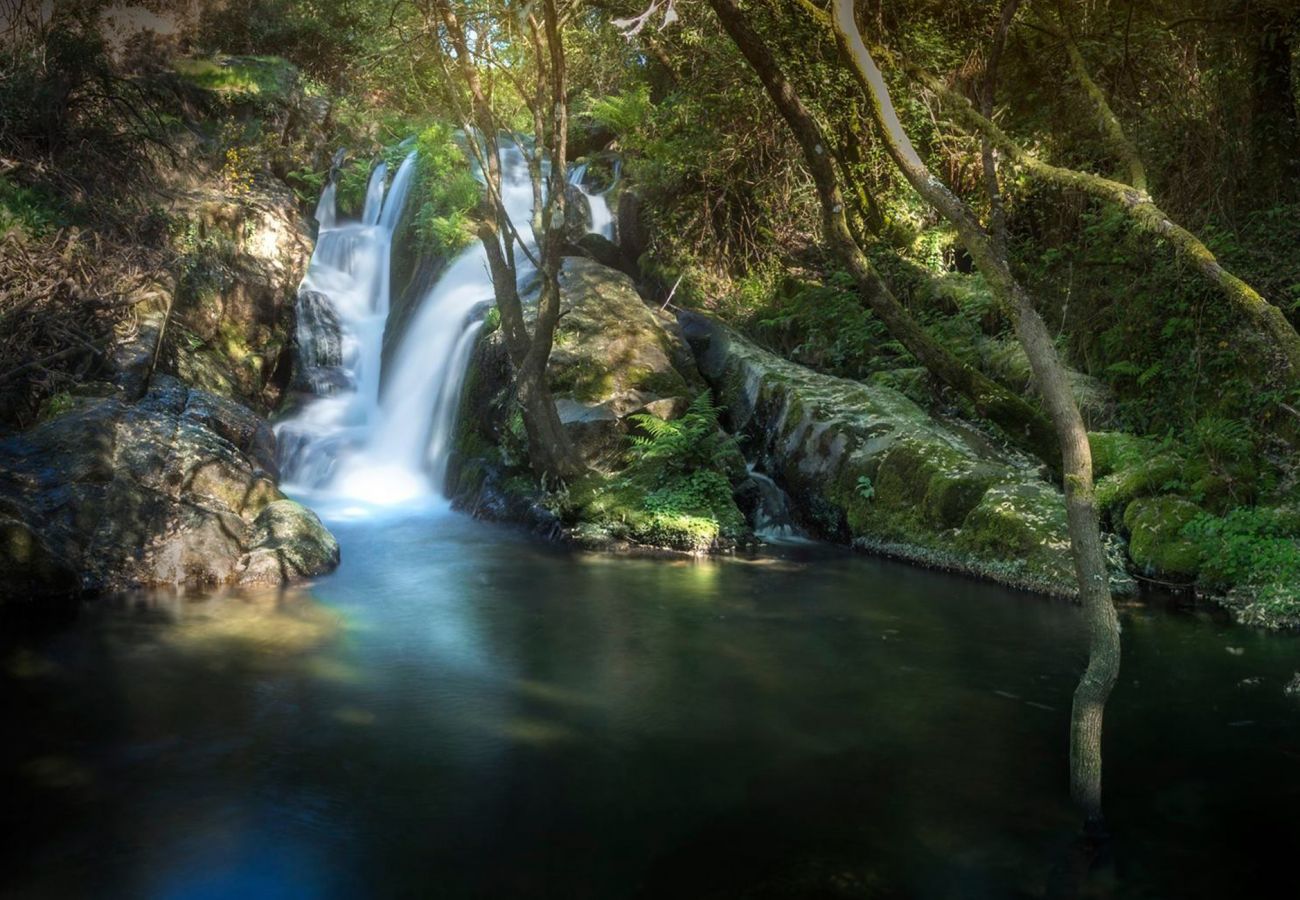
(444, 190)
(865, 488)
(1256, 554)
(267, 78)
(624, 114)
(823, 325)
(695, 441)
(32, 210)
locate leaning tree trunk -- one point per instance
(1017, 418)
(1146, 216)
(551, 452)
(1052, 381)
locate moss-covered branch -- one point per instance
(1143, 213)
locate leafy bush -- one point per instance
(682, 446)
(624, 113)
(824, 326)
(1255, 554)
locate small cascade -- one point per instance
(361, 445)
(342, 308)
(326, 214)
(602, 221)
(375, 195)
(773, 519)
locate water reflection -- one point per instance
(490, 717)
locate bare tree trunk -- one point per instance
(1016, 417)
(1053, 384)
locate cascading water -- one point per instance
(602, 221)
(358, 444)
(773, 520)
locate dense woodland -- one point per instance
(1069, 225)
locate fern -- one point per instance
(691, 442)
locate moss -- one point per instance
(1157, 544)
(644, 506)
(263, 77)
(1115, 450)
(1147, 476)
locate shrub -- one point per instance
(1253, 554)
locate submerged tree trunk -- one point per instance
(1014, 415)
(1052, 381)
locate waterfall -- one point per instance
(359, 444)
(602, 221)
(773, 520)
(325, 210)
(375, 195)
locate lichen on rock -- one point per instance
(867, 465)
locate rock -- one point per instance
(232, 319)
(29, 568)
(614, 358)
(1142, 477)
(1156, 543)
(629, 224)
(609, 342)
(865, 464)
(289, 542)
(171, 489)
(577, 213)
(594, 429)
(1293, 687)
(607, 253)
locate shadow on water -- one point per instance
(463, 712)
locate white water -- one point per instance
(368, 448)
(773, 520)
(602, 221)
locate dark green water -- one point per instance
(462, 712)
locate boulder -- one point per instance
(1156, 543)
(172, 489)
(867, 465)
(614, 358)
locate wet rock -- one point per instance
(289, 542)
(171, 489)
(614, 358)
(232, 318)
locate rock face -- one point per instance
(865, 464)
(177, 488)
(614, 358)
(232, 321)
(1156, 543)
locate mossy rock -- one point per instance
(1156, 542)
(289, 542)
(865, 464)
(1149, 476)
(608, 342)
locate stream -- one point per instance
(462, 710)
